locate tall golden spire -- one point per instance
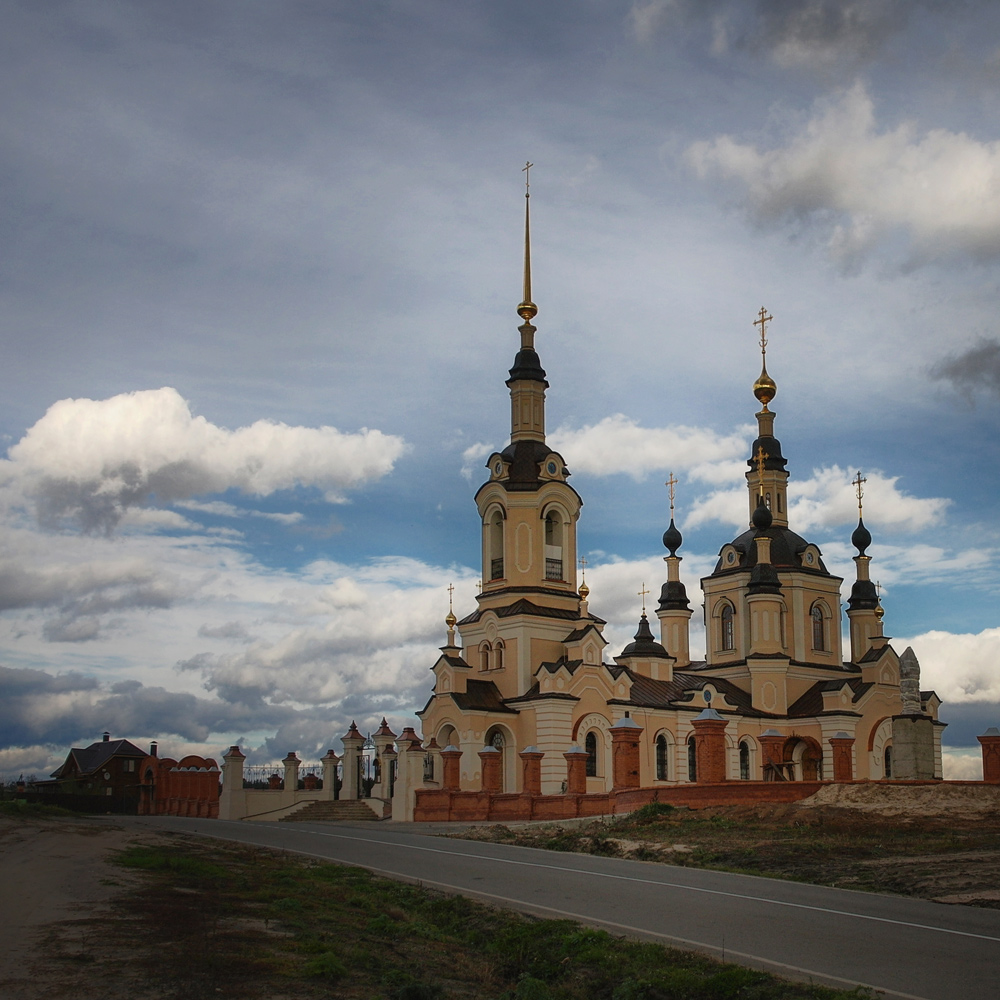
(764, 388)
(527, 310)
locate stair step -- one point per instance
(334, 810)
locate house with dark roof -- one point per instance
(106, 771)
(528, 668)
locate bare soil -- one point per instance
(940, 842)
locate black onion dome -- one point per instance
(672, 538)
(527, 365)
(524, 460)
(673, 597)
(864, 596)
(775, 461)
(761, 518)
(861, 538)
(787, 550)
(644, 644)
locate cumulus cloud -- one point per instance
(827, 499)
(90, 461)
(962, 667)
(974, 370)
(938, 190)
(618, 444)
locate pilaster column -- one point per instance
(531, 774)
(710, 747)
(330, 762)
(576, 771)
(232, 801)
(451, 768)
(291, 763)
(625, 754)
(491, 762)
(353, 742)
(843, 757)
(771, 743)
(990, 741)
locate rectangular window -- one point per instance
(496, 569)
(130, 765)
(107, 791)
(553, 569)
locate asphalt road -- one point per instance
(904, 947)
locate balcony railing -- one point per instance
(553, 569)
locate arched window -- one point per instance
(498, 655)
(727, 627)
(496, 545)
(692, 760)
(744, 761)
(819, 639)
(484, 656)
(779, 503)
(767, 500)
(590, 745)
(662, 758)
(553, 546)
(887, 762)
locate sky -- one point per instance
(259, 271)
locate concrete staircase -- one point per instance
(337, 810)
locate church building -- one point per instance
(529, 668)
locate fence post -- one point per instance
(330, 762)
(291, 763)
(353, 742)
(232, 802)
(843, 758)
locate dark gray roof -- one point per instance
(786, 552)
(526, 607)
(94, 757)
(481, 696)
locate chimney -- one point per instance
(152, 749)
(107, 737)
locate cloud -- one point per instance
(961, 668)
(219, 508)
(827, 499)
(618, 444)
(938, 190)
(975, 369)
(805, 33)
(90, 461)
(472, 458)
(799, 34)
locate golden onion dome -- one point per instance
(764, 388)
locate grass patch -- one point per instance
(222, 920)
(22, 809)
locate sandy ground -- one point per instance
(56, 879)
(945, 799)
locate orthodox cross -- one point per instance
(451, 591)
(479, 586)
(762, 322)
(526, 170)
(670, 484)
(760, 458)
(858, 485)
(583, 567)
(642, 594)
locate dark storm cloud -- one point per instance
(974, 370)
(84, 596)
(967, 721)
(62, 709)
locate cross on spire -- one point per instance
(526, 170)
(451, 591)
(760, 458)
(762, 321)
(858, 484)
(642, 594)
(670, 484)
